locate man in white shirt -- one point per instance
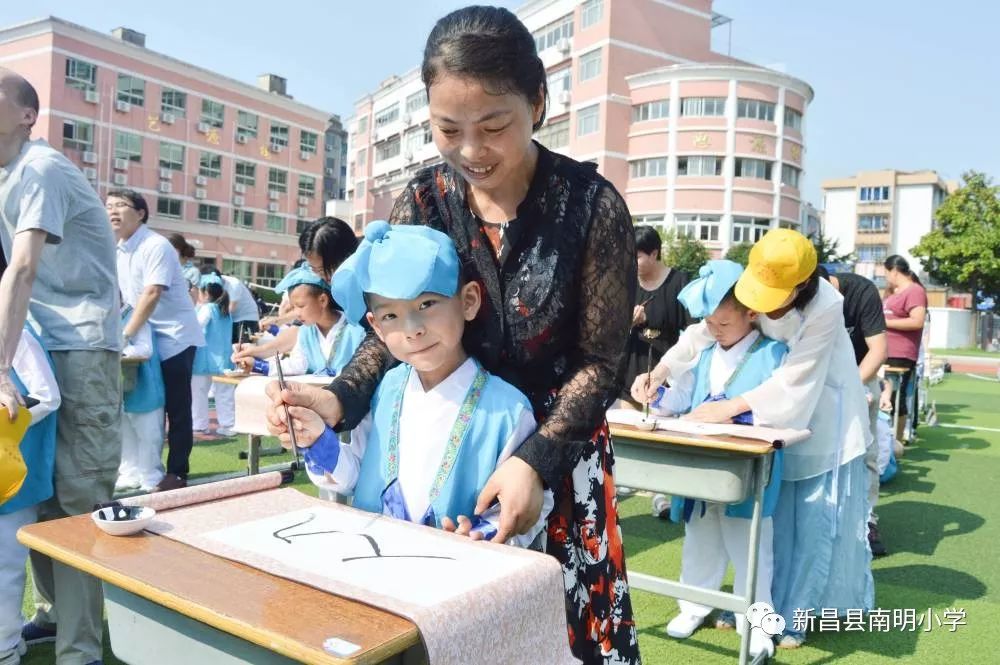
(152, 284)
(61, 270)
(242, 307)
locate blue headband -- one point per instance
(702, 296)
(300, 276)
(399, 262)
(209, 278)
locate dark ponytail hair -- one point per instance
(808, 290)
(901, 265)
(491, 46)
(217, 294)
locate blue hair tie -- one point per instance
(210, 278)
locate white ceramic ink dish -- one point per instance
(133, 520)
(646, 425)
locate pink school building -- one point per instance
(237, 169)
(695, 140)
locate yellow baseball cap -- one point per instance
(779, 262)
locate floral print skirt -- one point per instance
(584, 535)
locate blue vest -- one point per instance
(765, 356)
(149, 393)
(38, 448)
(215, 356)
(349, 339)
(473, 459)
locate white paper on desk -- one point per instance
(768, 434)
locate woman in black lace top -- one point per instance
(551, 244)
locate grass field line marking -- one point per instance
(971, 427)
(984, 378)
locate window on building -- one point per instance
(169, 207)
(699, 165)
(246, 173)
(128, 146)
(753, 168)
(872, 253)
(588, 120)
(80, 74)
(387, 116)
(554, 135)
(699, 227)
(387, 149)
(648, 168)
(590, 65)
(308, 141)
(243, 218)
(657, 220)
(246, 124)
(362, 157)
(214, 113)
(559, 81)
(269, 274)
(208, 213)
(651, 110)
(873, 224)
(276, 223)
(749, 229)
(307, 186)
(171, 156)
(279, 135)
(277, 180)
(590, 12)
(755, 109)
(793, 119)
(703, 107)
(359, 189)
(78, 135)
(301, 225)
(131, 89)
(362, 124)
(416, 101)
(790, 175)
(417, 138)
(238, 269)
(550, 34)
(210, 165)
(173, 102)
(874, 194)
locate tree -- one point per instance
(827, 250)
(740, 253)
(683, 252)
(962, 251)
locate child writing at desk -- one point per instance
(326, 340)
(715, 534)
(439, 424)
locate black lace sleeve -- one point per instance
(594, 378)
(356, 383)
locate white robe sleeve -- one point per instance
(790, 396)
(683, 356)
(678, 397)
(33, 369)
(344, 477)
(296, 364)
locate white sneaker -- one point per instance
(124, 483)
(683, 625)
(761, 642)
(13, 656)
(225, 431)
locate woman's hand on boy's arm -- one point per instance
(519, 489)
(718, 412)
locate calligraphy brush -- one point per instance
(288, 418)
(649, 334)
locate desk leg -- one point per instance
(253, 454)
(761, 466)
(898, 382)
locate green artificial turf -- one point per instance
(972, 352)
(939, 519)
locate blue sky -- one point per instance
(899, 84)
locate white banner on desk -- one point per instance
(669, 424)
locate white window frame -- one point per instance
(308, 141)
(171, 156)
(549, 35)
(213, 113)
(275, 223)
(81, 74)
(650, 167)
(75, 141)
(178, 104)
(169, 203)
(128, 92)
(703, 107)
(591, 12)
(866, 224)
(126, 147)
(206, 167)
(590, 65)
(554, 135)
(242, 178)
(654, 110)
(793, 119)
(242, 219)
(699, 226)
(278, 134)
(205, 213)
(749, 167)
(699, 165)
(416, 101)
(307, 186)
(246, 124)
(277, 180)
(387, 116)
(790, 175)
(388, 149)
(755, 109)
(749, 229)
(587, 116)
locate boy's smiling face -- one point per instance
(426, 332)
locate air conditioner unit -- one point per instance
(406, 118)
(328, 171)
(89, 157)
(200, 193)
(90, 173)
(241, 138)
(166, 187)
(564, 97)
(122, 107)
(91, 96)
(168, 118)
(303, 200)
(166, 174)
(203, 127)
(121, 164)
(274, 195)
(303, 212)
(120, 179)
(238, 201)
(564, 45)
(408, 156)
(273, 206)
(200, 180)
(239, 188)
(277, 147)
(304, 155)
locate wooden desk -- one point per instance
(171, 603)
(229, 379)
(723, 469)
